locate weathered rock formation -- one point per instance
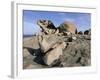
(54, 53)
(63, 48)
(47, 26)
(68, 26)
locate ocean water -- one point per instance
(26, 36)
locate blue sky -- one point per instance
(82, 20)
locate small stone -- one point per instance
(74, 38)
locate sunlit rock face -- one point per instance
(68, 26)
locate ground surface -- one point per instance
(77, 52)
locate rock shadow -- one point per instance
(36, 52)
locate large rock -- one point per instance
(68, 26)
(87, 32)
(54, 54)
(47, 41)
(47, 26)
(77, 53)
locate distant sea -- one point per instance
(26, 36)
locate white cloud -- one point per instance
(69, 19)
